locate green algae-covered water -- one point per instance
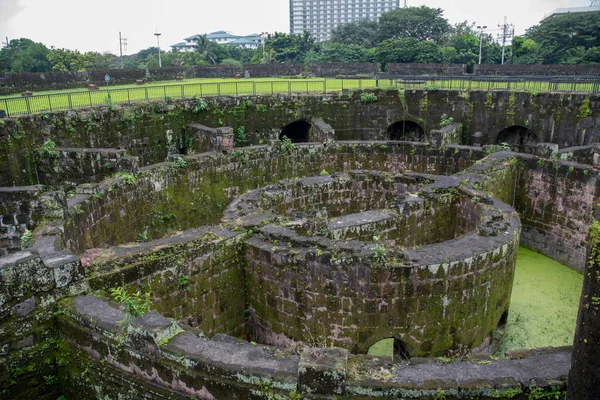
(543, 305)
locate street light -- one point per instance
(263, 43)
(481, 28)
(158, 43)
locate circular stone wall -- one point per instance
(349, 259)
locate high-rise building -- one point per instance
(320, 17)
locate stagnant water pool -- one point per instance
(543, 306)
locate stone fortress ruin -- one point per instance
(273, 267)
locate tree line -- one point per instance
(405, 35)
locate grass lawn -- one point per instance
(203, 87)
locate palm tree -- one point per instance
(205, 47)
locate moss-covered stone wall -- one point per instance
(168, 197)
(153, 131)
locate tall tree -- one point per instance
(566, 38)
(338, 52)
(289, 48)
(421, 23)
(363, 33)
(206, 47)
(24, 55)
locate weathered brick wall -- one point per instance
(152, 131)
(77, 166)
(37, 81)
(122, 209)
(542, 70)
(196, 278)
(273, 70)
(211, 71)
(426, 69)
(20, 209)
(555, 200)
(368, 296)
(331, 70)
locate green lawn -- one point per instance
(202, 87)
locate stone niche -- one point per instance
(352, 258)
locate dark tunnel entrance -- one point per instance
(297, 131)
(518, 138)
(406, 130)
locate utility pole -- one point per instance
(158, 43)
(508, 31)
(262, 34)
(481, 28)
(7, 43)
(122, 44)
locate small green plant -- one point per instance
(128, 178)
(439, 395)
(48, 149)
(379, 253)
(183, 282)
(44, 116)
(200, 105)
(287, 147)
(239, 138)
(538, 393)
(445, 120)
(432, 88)
(109, 103)
(78, 210)
(532, 93)
(97, 195)
(136, 304)
(261, 108)
(18, 372)
(541, 162)
(324, 173)
(368, 98)
(142, 237)
(108, 165)
(180, 162)
(504, 146)
(25, 238)
(584, 109)
(2, 124)
(294, 395)
(50, 379)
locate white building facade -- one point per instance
(320, 17)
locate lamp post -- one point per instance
(262, 34)
(158, 43)
(481, 28)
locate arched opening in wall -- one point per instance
(518, 138)
(297, 131)
(406, 130)
(390, 347)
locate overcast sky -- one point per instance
(87, 25)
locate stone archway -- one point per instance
(297, 131)
(518, 138)
(406, 130)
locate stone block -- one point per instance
(211, 139)
(545, 150)
(25, 307)
(323, 371)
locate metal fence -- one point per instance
(12, 106)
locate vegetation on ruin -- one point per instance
(135, 304)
